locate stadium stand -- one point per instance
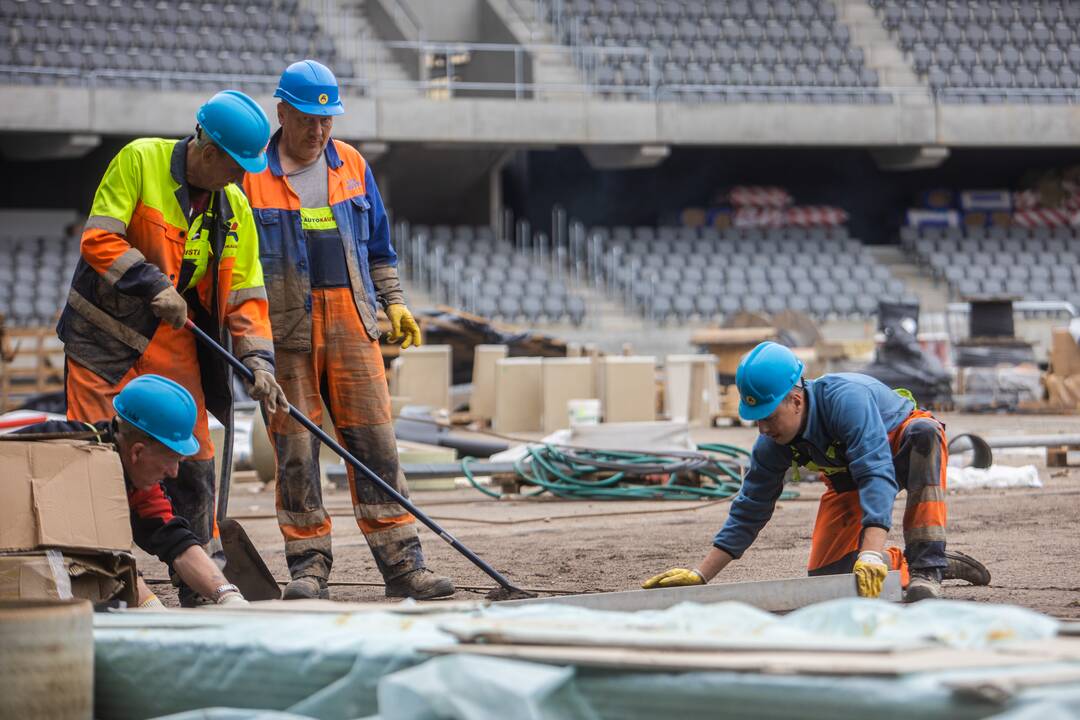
(34, 283)
(739, 51)
(1039, 263)
(706, 274)
(140, 43)
(990, 51)
(468, 268)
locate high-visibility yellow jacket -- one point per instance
(141, 237)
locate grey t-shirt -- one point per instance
(326, 252)
(310, 183)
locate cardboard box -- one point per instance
(519, 401)
(62, 494)
(565, 379)
(423, 375)
(628, 388)
(482, 402)
(97, 577)
(691, 393)
(1064, 353)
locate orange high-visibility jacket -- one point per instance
(140, 238)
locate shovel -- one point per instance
(244, 567)
(505, 591)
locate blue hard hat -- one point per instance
(162, 409)
(238, 126)
(311, 88)
(764, 378)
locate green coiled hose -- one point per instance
(578, 474)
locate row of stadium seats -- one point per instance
(114, 43)
(706, 51)
(262, 15)
(468, 267)
(682, 278)
(35, 277)
(1043, 267)
(910, 234)
(1013, 51)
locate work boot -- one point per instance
(307, 588)
(420, 584)
(965, 567)
(925, 584)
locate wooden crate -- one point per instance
(31, 363)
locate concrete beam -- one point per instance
(583, 121)
(769, 595)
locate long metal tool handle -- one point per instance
(359, 466)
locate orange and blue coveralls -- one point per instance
(327, 351)
(154, 526)
(142, 236)
(868, 442)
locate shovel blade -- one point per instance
(244, 567)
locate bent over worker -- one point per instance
(152, 432)
(868, 442)
(324, 239)
(171, 236)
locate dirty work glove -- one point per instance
(675, 577)
(870, 571)
(402, 324)
(265, 388)
(170, 307)
(232, 598)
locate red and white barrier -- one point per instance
(1042, 217)
(759, 197)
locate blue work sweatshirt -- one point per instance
(849, 418)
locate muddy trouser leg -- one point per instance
(920, 457)
(305, 525)
(359, 401)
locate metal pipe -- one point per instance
(1017, 441)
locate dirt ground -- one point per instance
(1029, 538)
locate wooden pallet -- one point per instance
(31, 363)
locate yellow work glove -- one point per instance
(676, 577)
(870, 572)
(402, 325)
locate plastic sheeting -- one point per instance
(995, 476)
(355, 664)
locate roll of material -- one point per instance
(46, 659)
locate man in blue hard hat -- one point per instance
(325, 245)
(152, 432)
(868, 442)
(170, 237)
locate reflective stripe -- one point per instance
(106, 223)
(122, 264)
(389, 536)
(927, 493)
(236, 297)
(106, 322)
(302, 519)
(295, 547)
(931, 533)
(247, 344)
(377, 511)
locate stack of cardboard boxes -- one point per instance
(64, 524)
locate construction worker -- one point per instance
(324, 240)
(151, 430)
(868, 442)
(170, 236)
